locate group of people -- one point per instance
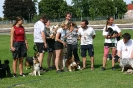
(67, 36)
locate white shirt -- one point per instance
(125, 48)
(38, 28)
(62, 33)
(86, 35)
(115, 28)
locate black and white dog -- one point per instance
(124, 62)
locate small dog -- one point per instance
(71, 64)
(5, 69)
(126, 62)
(36, 65)
(29, 60)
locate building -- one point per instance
(129, 13)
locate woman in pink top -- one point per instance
(18, 45)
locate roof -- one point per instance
(130, 7)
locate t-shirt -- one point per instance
(72, 37)
(115, 28)
(125, 48)
(62, 33)
(86, 35)
(38, 28)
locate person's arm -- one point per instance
(132, 54)
(44, 39)
(26, 42)
(11, 39)
(119, 51)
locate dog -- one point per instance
(36, 66)
(53, 30)
(5, 69)
(125, 62)
(71, 64)
(29, 61)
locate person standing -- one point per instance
(50, 41)
(110, 32)
(18, 45)
(40, 38)
(87, 34)
(72, 42)
(67, 18)
(59, 45)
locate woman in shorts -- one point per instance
(59, 45)
(18, 45)
(110, 32)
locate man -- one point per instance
(40, 38)
(125, 46)
(67, 18)
(87, 34)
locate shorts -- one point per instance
(40, 47)
(58, 45)
(110, 45)
(50, 46)
(20, 50)
(90, 49)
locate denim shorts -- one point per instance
(88, 48)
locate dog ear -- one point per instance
(6, 61)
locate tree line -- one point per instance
(55, 9)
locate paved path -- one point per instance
(96, 27)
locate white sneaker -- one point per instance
(79, 67)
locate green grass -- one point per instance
(78, 79)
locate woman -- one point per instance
(51, 50)
(59, 44)
(72, 43)
(110, 32)
(18, 45)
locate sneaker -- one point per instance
(103, 68)
(113, 68)
(83, 68)
(58, 71)
(14, 75)
(43, 70)
(92, 68)
(62, 70)
(22, 75)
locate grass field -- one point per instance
(78, 79)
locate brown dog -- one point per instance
(71, 64)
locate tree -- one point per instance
(54, 8)
(24, 8)
(120, 8)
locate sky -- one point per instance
(68, 2)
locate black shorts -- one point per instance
(90, 49)
(58, 45)
(110, 45)
(51, 46)
(40, 47)
(20, 50)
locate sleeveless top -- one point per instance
(19, 34)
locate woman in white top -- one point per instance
(59, 44)
(110, 32)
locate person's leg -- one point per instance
(106, 51)
(53, 58)
(75, 53)
(40, 58)
(91, 54)
(21, 66)
(61, 60)
(83, 54)
(113, 54)
(49, 58)
(14, 65)
(69, 50)
(57, 52)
